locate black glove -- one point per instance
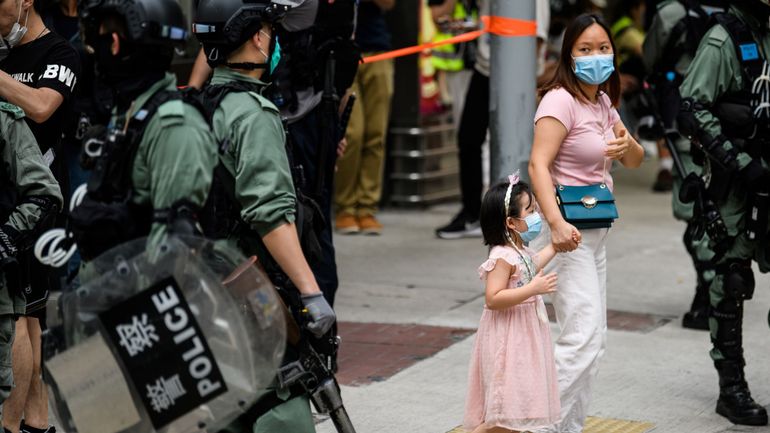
(8, 238)
(9, 266)
(756, 177)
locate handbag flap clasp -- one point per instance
(589, 202)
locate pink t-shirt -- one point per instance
(580, 160)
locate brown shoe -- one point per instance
(369, 225)
(346, 224)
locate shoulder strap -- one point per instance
(697, 21)
(208, 100)
(214, 94)
(141, 118)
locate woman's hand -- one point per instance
(618, 147)
(565, 237)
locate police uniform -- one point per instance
(253, 192)
(256, 155)
(736, 166)
(668, 49)
(172, 169)
(38, 198)
(154, 165)
(175, 158)
(256, 158)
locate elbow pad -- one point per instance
(712, 146)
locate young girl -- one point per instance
(512, 379)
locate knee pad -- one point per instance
(739, 281)
(729, 336)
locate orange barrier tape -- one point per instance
(510, 27)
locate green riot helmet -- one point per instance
(148, 22)
(222, 26)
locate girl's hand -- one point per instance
(565, 237)
(544, 284)
(577, 237)
(618, 147)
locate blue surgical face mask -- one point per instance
(594, 69)
(534, 224)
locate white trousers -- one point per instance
(581, 311)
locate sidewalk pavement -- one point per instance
(410, 303)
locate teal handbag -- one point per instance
(587, 207)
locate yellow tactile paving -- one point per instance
(603, 425)
(607, 425)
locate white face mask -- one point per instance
(18, 31)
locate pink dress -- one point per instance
(512, 381)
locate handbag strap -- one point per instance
(604, 135)
(604, 174)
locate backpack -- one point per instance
(107, 216)
(697, 22)
(694, 25)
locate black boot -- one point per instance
(735, 402)
(698, 316)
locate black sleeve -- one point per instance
(61, 70)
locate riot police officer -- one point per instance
(254, 193)
(669, 47)
(722, 112)
(29, 200)
(153, 164)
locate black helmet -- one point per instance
(221, 26)
(148, 22)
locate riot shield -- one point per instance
(179, 337)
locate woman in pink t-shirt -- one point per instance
(578, 134)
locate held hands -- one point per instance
(321, 312)
(544, 284)
(565, 237)
(618, 147)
